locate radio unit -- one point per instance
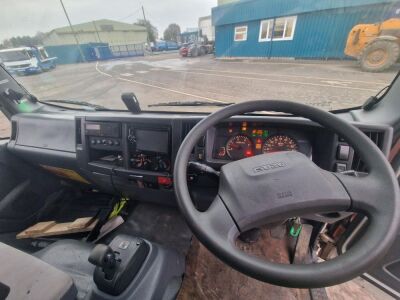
(103, 129)
(103, 135)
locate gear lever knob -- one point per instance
(103, 256)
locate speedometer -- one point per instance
(278, 143)
(239, 146)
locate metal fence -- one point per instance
(70, 54)
(127, 50)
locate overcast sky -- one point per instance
(26, 17)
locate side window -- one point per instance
(290, 24)
(30, 53)
(5, 126)
(265, 30)
(279, 28)
(283, 29)
(43, 53)
(240, 33)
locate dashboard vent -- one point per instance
(78, 131)
(13, 130)
(376, 137)
(186, 127)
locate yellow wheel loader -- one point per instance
(376, 46)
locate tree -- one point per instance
(23, 41)
(152, 31)
(172, 33)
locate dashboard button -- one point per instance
(343, 152)
(340, 167)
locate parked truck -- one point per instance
(375, 46)
(27, 60)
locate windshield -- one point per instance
(328, 54)
(10, 56)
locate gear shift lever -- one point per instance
(104, 257)
(118, 263)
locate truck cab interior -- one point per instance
(136, 205)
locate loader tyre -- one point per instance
(379, 56)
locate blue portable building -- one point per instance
(70, 54)
(292, 28)
(164, 46)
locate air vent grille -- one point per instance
(78, 130)
(14, 130)
(376, 137)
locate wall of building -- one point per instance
(110, 37)
(205, 25)
(318, 34)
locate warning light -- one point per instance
(166, 181)
(248, 153)
(230, 130)
(258, 146)
(244, 128)
(258, 141)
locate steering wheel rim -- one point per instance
(218, 227)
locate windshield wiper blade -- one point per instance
(80, 103)
(191, 103)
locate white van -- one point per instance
(27, 60)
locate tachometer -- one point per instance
(278, 143)
(239, 146)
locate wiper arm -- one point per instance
(191, 103)
(80, 103)
(374, 100)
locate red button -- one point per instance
(164, 180)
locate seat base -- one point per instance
(29, 277)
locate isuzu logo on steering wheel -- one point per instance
(268, 167)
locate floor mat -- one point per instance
(206, 277)
(160, 224)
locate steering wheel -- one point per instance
(270, 187)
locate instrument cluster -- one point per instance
(239, 140)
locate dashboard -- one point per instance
(134, 155)
(236, 140)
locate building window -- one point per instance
(240, 33)
(283, 29)
(265, 30)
